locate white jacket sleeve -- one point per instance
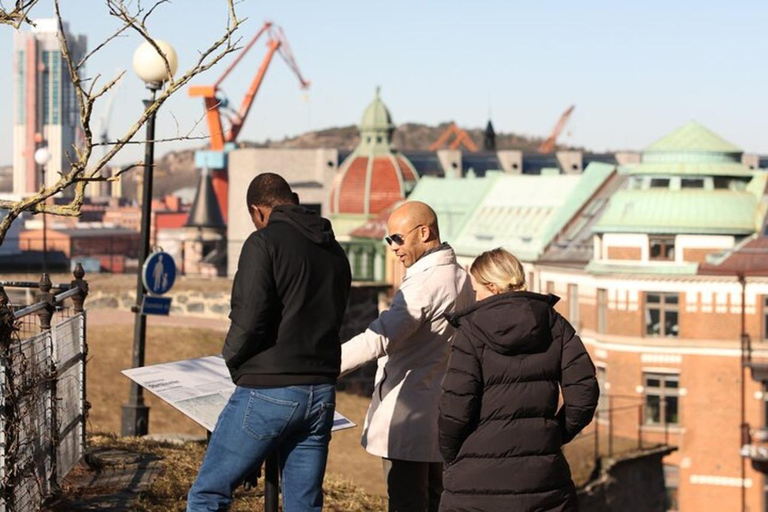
(408, 312)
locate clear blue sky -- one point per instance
(634, 70)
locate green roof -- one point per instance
(680, 211)
(515, 214)
(591, 180)
(690, 169)
(692, 137)
(452, 199)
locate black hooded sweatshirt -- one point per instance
(288, 301)
(500, 430)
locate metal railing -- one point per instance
(615, 431)
(42, 378)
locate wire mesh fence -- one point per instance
(42, 392)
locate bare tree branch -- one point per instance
(82, 173)
(19, 14)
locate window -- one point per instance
(602, 403)
(573, 305)
(671, 482)
(602, 310)
(20, 88)
(46, 82)
(661, 396)
(55, 65)
(661, 314)
(765, 318)
(659, 182)
(692, 183)
(662, 248)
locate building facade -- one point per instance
(45, 111)
(662, 267)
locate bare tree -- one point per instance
(88, 94)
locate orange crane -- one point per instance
(549, 145)
(461, 138)
(217, 108)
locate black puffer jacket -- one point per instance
(500, 431)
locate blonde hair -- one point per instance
(500, 268)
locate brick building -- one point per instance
(647, 259)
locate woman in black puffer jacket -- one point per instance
(501, 433)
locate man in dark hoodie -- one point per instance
(283, 352)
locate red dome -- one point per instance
(368, 185)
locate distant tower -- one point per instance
(45, 110)
(489, 143)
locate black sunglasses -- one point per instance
(399, 239)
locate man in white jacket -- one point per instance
(411, 341)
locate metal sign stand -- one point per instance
(271, 483)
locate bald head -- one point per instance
(413, 231)
(415, 213)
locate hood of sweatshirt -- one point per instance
(316, 228)
(510, 323)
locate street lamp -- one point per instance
(151, 67)
(42, 157)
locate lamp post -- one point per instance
(150, 66)
(42, 157)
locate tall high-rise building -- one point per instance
(45, 109)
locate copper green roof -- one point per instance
(591, 180)
(515, 214)
(690, 169)
(692, 137)
(376, 127)
(680, 211)
(452, 199)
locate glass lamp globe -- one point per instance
(149, 64)
(42, 156)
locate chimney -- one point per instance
(511, 161)
(450, 161)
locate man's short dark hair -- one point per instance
(270, 190)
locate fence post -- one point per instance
(79, 302)
(79, 282)
(610, 433)
(597, 435)
(46, 296)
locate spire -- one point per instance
(489, 142)
(205, 212)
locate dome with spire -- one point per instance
(375, 176)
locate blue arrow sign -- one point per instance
(158, 273)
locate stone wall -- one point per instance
(185, 302)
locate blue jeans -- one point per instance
(295, 420)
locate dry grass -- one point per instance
(178, 469)
(110, 352)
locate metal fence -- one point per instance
(42, 393)
(620, 427)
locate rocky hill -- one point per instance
(177, 168)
